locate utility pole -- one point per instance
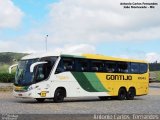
(46, 41)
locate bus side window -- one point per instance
(82, 65)
(135, 68)
(66, 64)
(41, 73)
(110, 67)
(123, 67)
(48, 66)
(143, 68)
(97, 66)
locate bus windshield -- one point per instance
(23, 75)
(41, 72)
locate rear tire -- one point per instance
(59, 96)
(130, 94)
(122, 94)
(40, 100)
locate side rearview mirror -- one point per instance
(35, 64)
(12, 66)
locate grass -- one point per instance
(6, 77)
(157, 73)
(4, 68)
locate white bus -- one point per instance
(47, 76)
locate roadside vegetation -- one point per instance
(157, 75)
(7, 59)
(6, 77)
(155, 71)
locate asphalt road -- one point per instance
(149, 104)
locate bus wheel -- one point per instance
(59, 95)
(40, 100)
(122, 94)
(131, 94)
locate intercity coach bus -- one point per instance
(47, 76)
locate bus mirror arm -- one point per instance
(12, 66)
(35, 64)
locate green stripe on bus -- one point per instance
(94, 81)
(83, 81)
(89, 82)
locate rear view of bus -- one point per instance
(80, 75)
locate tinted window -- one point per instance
(110, 67)
(134, 68)
(68, 64)
(46, 67)
(143, 68)
(82, 65)
(51, 60)
(41, 72)
(23, 75)
(65, 64)
(123, 67)
(97, 66)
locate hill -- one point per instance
(9, 58)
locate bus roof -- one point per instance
(39, 55)
(102, 57)
(78, 55)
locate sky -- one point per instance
(84, 26)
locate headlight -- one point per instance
(31, 88)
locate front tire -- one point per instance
(122, 94)
(40, 100)
(59, 96)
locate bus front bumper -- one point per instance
(22, 94)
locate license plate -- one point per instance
(43, 94)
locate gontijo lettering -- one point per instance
(118, 77)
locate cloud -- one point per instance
(10, 15)
(153, 57)
(150, 57)
(79, 25)
(19, 46)
(81, 48)
(93, 21)
(7, 46)
(36, 47)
